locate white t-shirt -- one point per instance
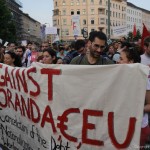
(145, 60)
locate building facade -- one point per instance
(31, 29)
(94, 16)
(26, 27)
(146, 18)
(134, 17)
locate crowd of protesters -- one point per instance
(94, 51)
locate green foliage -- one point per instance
(7, 27)
(138, 35)
(130, 37)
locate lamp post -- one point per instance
(108, 19)
(60, 26)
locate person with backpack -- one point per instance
(93, 54)
(71, 54)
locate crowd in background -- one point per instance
(92, 51)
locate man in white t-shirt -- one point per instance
(145, 59)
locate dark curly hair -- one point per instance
(17, 59)
(132, 54)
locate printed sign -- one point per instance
(51, 30)
(119, 30)
(49, 107)
(76, 25)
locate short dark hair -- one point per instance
(98, 34)
(132, 54)
(17, 59)
(22, 47)
(79, 44)
(51, 52)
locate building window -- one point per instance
(106, 12)
(92, 11)
(78, 12)
(65, 32)
(72, 3)
(92, 21)
(84, 2)
(56, 4)
(100, 2)
(84, 12)
(84, 21)
(64, 12)
(64, 22)
(92, 2)
(78, 2)
(63, 3)
(72, 12)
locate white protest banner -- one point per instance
(119, 30)
(51, 30)
(69, 107)
(24, 43)
(76, 25)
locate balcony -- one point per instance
(102, 7)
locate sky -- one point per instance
(42, 10)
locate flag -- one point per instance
(134, 30)
(145, 34)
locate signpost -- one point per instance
(85, 33)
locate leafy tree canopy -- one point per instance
(7, 27)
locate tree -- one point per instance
(7, 27)
(138, 35)
(130, 37)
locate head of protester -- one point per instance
(20, 50)
(49, 56)
(59, 60)
(80, 46)
(129, 55)
(11, 47)
(44, 45)
(12, 59)
(94, 56)
(147, 46)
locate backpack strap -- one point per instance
(79, 60)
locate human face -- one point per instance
(47, 58)
(44, 46)
(81, 50)
(96, 48)
(147, 49)
(29, 46)
(111, 50)
(124, 59)
(8, 60)
(59, 61)
(19, 52)
(12, 47)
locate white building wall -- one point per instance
(134, 16)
